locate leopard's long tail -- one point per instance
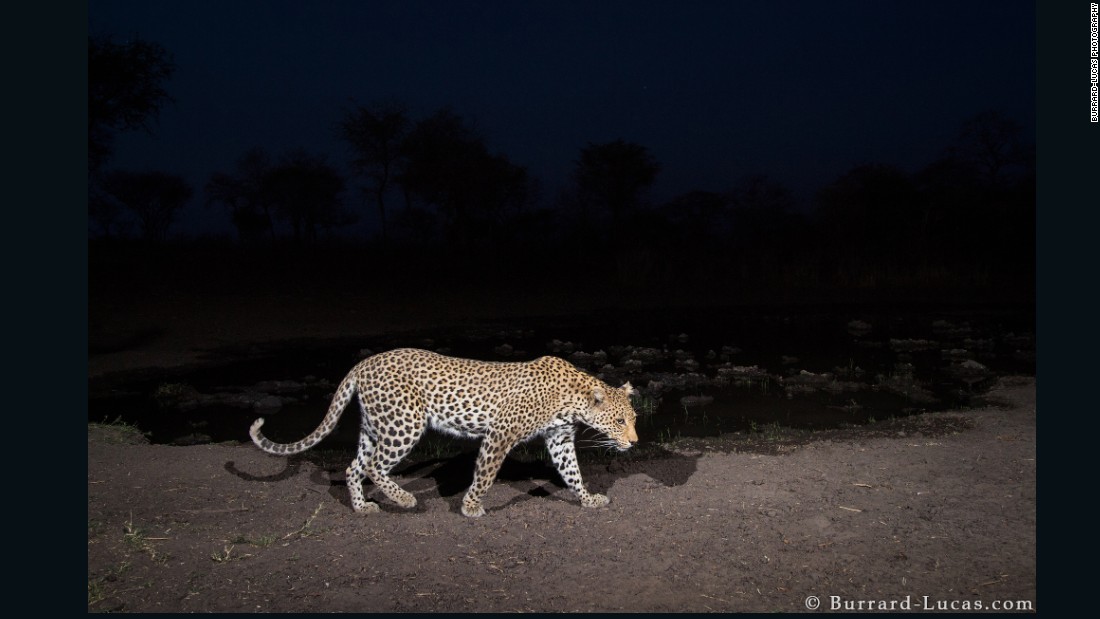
(340, 401)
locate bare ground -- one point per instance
(932, 510)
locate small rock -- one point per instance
(268, 402)
(695, 400)
(858, 327)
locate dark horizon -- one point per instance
(800, 92)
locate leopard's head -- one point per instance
(610, 412)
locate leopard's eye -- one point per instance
(620, 421)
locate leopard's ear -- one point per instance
(598, 396)
(628, 389)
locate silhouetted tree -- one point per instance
(996, 222)
(951, 207)
(154, 197)
(979, 198)
(761, 194)
(992, 143)
(376, 135)
(305, 190)
(765, 230)
(244, 193)
(125, 91)
(698, 214)
(449, 166)
(684, 235)
(761, 207)
(869, 214)
(104, 211)
(613, 176)
(416, 226)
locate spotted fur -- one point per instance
(403, 392)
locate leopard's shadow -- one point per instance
(292, 468)
(451, 476)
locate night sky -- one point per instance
(801, 91)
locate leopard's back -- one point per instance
(466, 396)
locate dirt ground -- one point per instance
(931, 512)
(937, 511)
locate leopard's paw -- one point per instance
(595, 500)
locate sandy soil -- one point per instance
(936, 511)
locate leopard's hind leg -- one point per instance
(391, 437)
(356, 472)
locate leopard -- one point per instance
(405, 391)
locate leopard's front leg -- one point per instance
(564, 454)
(489, 458)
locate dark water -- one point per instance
(699, 373)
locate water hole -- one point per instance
(697, 372)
